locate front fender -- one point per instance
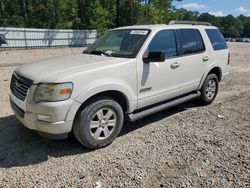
(96, 88)
(99, 87)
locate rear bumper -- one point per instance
(47, 117)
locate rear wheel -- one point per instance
(209, 89)
(99, 123)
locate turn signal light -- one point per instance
(65, 91)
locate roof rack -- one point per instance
(174, 22)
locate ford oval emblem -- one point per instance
(17, 84)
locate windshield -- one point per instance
(119, 43)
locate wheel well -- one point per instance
(116, 95)
(217, 72)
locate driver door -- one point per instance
(159, 81)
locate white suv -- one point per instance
(130, 72)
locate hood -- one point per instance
(51, 69)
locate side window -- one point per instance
(216, 38)
(201, 45)
(164, 41)
(189, 43)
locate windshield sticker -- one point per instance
(138, 32)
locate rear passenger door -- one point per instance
(195, 58)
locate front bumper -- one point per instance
(29, 114)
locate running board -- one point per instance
(133, 117)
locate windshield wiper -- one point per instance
(97, 52)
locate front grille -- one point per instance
(19, 86)
(16, 109)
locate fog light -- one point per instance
(45, 118)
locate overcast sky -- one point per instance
(217, 7)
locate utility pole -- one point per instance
(24, 6)
(1, 8)
(56, 12)
(132, 12)
(117, 13)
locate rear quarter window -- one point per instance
(216, 38)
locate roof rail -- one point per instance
(174, 22)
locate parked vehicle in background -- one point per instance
(2, 39)
(129, 72)
(239, 40)
(247, 40)
(230, 39)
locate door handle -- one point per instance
(175, 65)
(206, 58)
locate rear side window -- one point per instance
(164, 41)
(216, 38)
(191, 41)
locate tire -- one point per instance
(98, 123)
(209, 89)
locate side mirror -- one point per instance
(154, 56)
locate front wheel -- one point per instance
(99, 123)
(209, 89)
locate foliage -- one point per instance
(229, 25)
(104, 14)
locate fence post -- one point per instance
(68, 38)
(25, 39)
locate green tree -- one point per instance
(209, 18)
(99, 17)
(11, 14)
(68, 17)
(41, 14)
(232, 27)
(246, 24)
(103, 14)
(183, 14)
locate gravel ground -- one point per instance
(187, 146)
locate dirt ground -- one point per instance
(187, 146)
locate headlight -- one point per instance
(51, 92)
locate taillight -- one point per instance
(228, 62)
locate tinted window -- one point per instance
(189, 44)
(164, 41)
(216, 38)
(201, 46)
